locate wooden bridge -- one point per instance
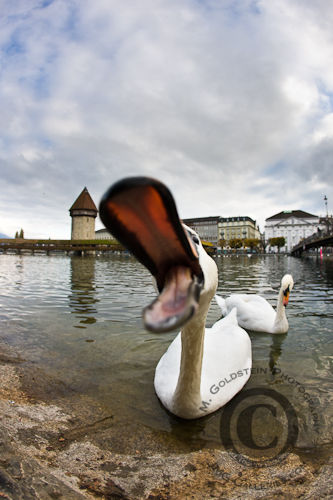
(316, 240)
(80, 247)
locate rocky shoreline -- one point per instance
(56, 444)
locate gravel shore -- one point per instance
(56, 444)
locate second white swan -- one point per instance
(255, 313)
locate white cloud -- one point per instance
(324, 129)
(228, 103)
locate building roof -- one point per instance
(300, 214)
(198, 220)
(84, 202)
(218, 218)
(237, 219)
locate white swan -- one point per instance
(255, 313)
(202, 368)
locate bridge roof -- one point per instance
(300, 214)
(84, 202)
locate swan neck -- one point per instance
(281, 317)
(187, 397)
(186, 400)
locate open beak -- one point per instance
(141, 213)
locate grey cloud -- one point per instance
(203, 97)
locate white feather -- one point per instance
(255, 313)
(191, 377)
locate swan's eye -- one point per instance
(193, 237)
(286, 291)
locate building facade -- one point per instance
(206, 227)
(293, 225)
(83, 213)
(240, 227)
(103, 234)
(217, 228)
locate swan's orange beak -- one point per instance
(286, 298)
(141, 213)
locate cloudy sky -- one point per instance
(229, 102)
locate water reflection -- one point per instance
(83, 298)
(275, 350)
(43, 297)
(195, 433)
(19, 271)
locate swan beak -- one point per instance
(285, 298)
(141, 213)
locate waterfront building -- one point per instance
(326, 223)
(240, 227)
(103, 234)
(83, 213)
(213, 229)
(293, 225)
(206, 227)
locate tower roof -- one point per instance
(84, 202)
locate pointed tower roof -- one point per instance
(83, 202)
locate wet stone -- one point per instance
(56, 444)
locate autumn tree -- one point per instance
(251, 243)
(277, 242)
(235, 243)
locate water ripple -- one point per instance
(81, 318)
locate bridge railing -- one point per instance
(65, 245)
(320, 238)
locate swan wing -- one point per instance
(227, 362)
(226, 356)
(222, 304)
(253, 312)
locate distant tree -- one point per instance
(277, 242)
(16, 235)
(222, 243)
(235, 243)
(251, 243)
(21, 234)
(262, 245)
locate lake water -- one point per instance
(80, 319)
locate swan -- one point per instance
(255, 313)
(203, 368)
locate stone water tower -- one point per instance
(83, 213)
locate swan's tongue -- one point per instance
(177, 302)
(141, 213)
